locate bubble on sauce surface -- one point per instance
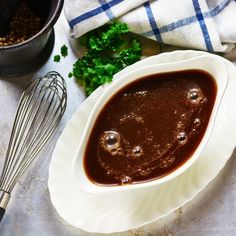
(139, 119)
(113, 151)
(132, 117)
(110, 141)
(142, 93)
(126, 180)
(194, 95)
(137, 151)
(166, 162)
(144, 172)
(137, 93)
(197, 122)
(182, 137)
(179, 125)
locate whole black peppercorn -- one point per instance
(24, 24)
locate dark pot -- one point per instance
(14, 59)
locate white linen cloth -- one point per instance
(201, 24)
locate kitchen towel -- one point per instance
(201, 24)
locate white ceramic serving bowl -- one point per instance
(206, 63)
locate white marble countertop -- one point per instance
(30, 212)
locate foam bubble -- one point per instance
(110, 141)
(142, 93)
(137, 151)
(113, 151)
(168, 161)
(194, 95)
(179, 125)
(126, 180)
(197, 122)
(182, 137)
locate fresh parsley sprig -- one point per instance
(109, 50)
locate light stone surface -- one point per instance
(30, 212)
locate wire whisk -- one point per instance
(39, 112)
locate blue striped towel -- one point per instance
(201, 24)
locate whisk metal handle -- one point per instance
(4, 199)
(2, 212)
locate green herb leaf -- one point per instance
(70, 75)
(132, 54)
(107, 37)
(64, 50)
(57, 58)
(109, 51)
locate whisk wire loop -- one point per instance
(40, 110)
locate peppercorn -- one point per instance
(24, 24)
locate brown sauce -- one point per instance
(150, 127)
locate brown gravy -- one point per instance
(150, 127)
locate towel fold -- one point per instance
(201, 24)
